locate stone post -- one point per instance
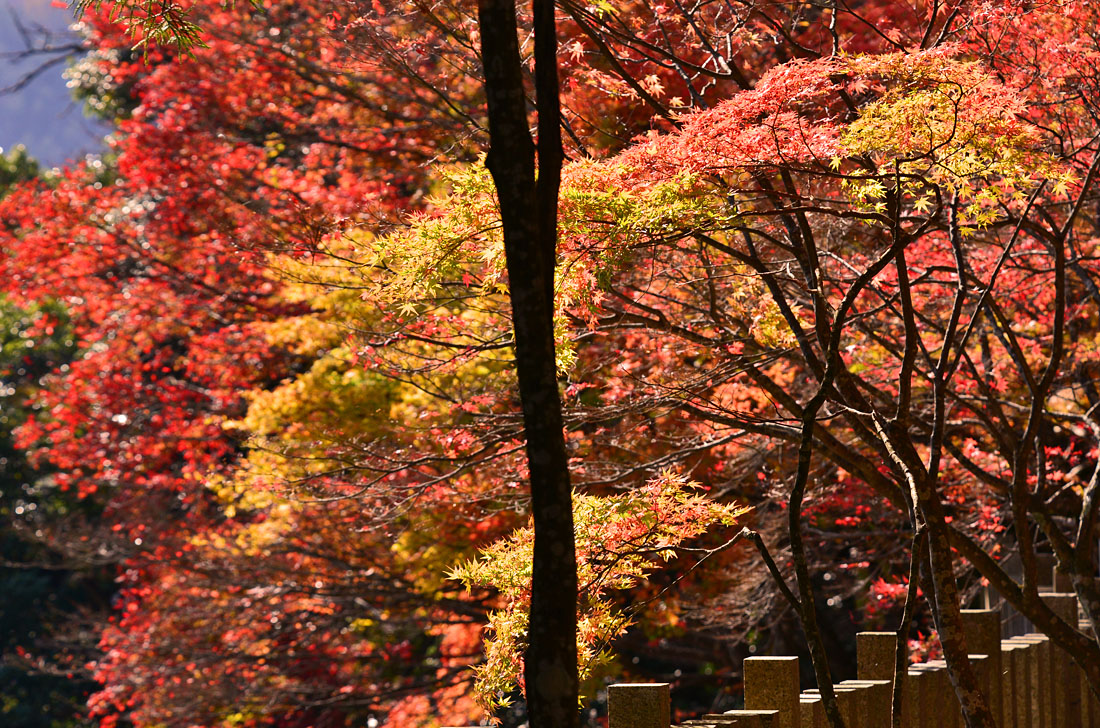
(771, 683)
(1089, 702)
(1091, 705)
(875, 655)
(917, 712)
(1038, 662)
(1014, 689)
(983, 669)
(875, 696)
(859, 697)
(949, 713)
(875, 652)
(1067, 679)
(847, 702)
(638, 705)
(982, 628)
(812, 711)
(749, 718)
(1045, 565)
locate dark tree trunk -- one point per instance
(528, 209)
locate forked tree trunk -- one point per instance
(528, 209)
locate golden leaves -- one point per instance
(619, 539)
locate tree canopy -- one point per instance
(824, 309)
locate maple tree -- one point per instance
(946, 172)
(528, 203)
(164, 290)
(43, 596)
(846, 278)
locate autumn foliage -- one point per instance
(826, 274)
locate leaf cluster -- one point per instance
(619, 540)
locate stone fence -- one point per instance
(1028, 681)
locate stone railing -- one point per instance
(1028, 682)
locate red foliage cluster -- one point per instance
(700, 334)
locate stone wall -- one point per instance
(1028, 682)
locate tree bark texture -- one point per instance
(528, 207)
